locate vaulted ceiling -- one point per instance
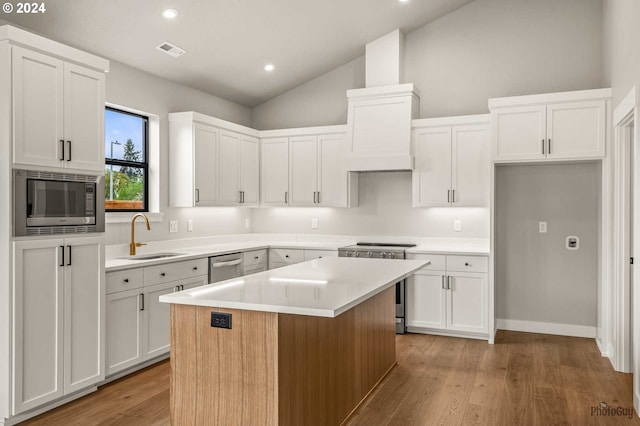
(228, 42)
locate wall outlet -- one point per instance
(247, 224)
(173, 226)
(190, 225)
(220, 320)
(542, 227)
(314, 223)
(457, 225)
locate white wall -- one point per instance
(496, 48)
(537, 278)
(319, 102)
(488, 48)
(384, 209)
(136, 89)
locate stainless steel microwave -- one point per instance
(57, 203)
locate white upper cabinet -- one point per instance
(205, 173)
(250, 170)
(229, 168)
(303, 170)
(58, 112)
(274, 172)
(452, 165)
(212, 162)
(562, 126)
(315, 159)
(336, 187)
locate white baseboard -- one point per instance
(546, 328)
(603, 351)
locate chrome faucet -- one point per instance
(133, 245)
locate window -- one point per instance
(126, 166)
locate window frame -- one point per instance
(139, 165)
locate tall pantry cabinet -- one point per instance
(52, 315)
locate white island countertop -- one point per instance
(323, 287)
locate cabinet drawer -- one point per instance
(124, 280)
(255, 257)
(468, 263)
(174, 271)
(286, 256)
(255, 269)
(317, 254)
(438, 261)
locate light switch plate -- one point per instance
(173, 226)
(457, 225)
(190, 225)
(314, 223)
(542, 227)
(247, 224)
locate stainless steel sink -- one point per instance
(151, 256)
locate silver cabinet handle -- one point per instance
(229, 263)
(181, 286)
(197, 195)
(176, 288)
(286, 197)
(242, 197)
(61, 149)
(314, 197)
(69, 260)
(453, 196)
(318, 197)
(542, 146)
(449, 282)
(444, 287)
(142, 302)
(549, 147)
(69, 146)
(61, 256)
(448, 195)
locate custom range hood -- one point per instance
(379, 116)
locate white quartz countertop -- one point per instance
(199, 248)
(323, 287)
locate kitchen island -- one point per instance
(305, 344)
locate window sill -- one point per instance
(125, 217)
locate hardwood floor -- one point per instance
(524, 379)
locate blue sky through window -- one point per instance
(121, 127)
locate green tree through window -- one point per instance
(126, 166)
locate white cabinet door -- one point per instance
(274, 172)
(576, 130)
(303, 170)
(38, 323)
(124, 327)
(467, 302)
(432, 172)
(470, 166)
(205, 165)
(519, 133)
(84, 97)
(156, 321)
(193, 282)
(250, 170)
(426, 300)
(38, 109)
(333, 179)
(84, 313)
(229, 168)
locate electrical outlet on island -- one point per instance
(457, 225)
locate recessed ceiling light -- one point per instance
(269, 67)
(403, 1)
(169, 13)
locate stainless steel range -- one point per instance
(383, 251)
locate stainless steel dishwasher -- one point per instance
(225, 267)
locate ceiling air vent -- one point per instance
(170, 49)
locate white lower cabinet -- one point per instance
(58, 319)
(451, 299)
(138, 325)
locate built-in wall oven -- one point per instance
(57, 203)
(384, 251)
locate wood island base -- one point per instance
(278, 369)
